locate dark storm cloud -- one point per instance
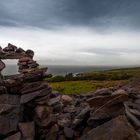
(46, 13)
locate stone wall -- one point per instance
(21, 94)
(29, 110)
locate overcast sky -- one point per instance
(74, 32)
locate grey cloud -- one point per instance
(111, 51)
(46, 13)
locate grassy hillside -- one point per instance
(80, 87)
(115, 74)
(90, 81)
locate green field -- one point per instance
(115, 74)
(90, 81)
(81, 87)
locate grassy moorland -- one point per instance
(81, 87)
(90, 81)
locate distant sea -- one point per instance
(62, 70)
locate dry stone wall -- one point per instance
(29, 110)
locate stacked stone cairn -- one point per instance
(29, 110)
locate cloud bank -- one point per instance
(76, 46)
(74, 32)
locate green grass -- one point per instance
(132, 71)
(115, 74)
(91, 81)
(73, 87)
(81, 87)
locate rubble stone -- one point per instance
(116, 129)
(30, 110)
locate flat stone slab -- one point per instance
(9, 113)
(9, 99)
(28, 97)
(112, 99)
(31, 87)
(116, 129)
(8, 123)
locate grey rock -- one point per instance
(28, 97)
(16, 136)
(27, 130)
(68, 132)
(31, 87)
(53, 101)
(116, 129)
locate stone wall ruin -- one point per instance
(29, 110)
(16, 113)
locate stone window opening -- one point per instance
(11, 67)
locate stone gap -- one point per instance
(11, 67)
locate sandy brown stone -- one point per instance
(43, 112)
(66, 98)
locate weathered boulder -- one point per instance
(16, 136)
(116, 129)
(66, 98)
(27, 130)
(9, 113)
(43, 112)
(107, 107)
(103, 92)
(107, 112)
(112, 99)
